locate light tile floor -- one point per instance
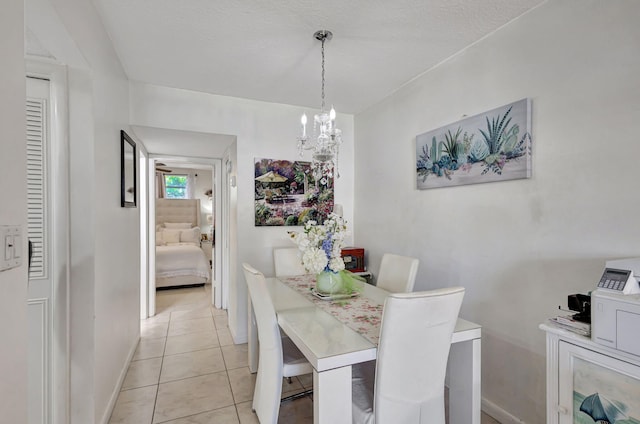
(186, 370)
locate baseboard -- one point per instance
(239, 338)
(114, 395)
(498, 413)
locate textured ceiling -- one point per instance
(265, 50)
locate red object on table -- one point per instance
(353, 259)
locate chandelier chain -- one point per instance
(322, 106)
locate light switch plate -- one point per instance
(11, 239)
(7, 241)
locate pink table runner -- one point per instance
(360, 313)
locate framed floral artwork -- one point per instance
(287, 194)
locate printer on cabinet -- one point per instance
(615, 306)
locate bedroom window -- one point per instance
(175, 186)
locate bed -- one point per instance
(179, 259)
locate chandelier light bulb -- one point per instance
(303, 121)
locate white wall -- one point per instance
(117, 242)
(82, 247)
(519, 247)
(163, 141)
(263, 130)
(13, 211)
(104, 238)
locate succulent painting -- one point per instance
(424, 163)
(490, 143)
(494, 137)
(479, 151)
(502, 142)
(451, 144)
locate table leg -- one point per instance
(464, 382)
(332, 396)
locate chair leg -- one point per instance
(289, 380)
(297, 396)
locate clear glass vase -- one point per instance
(328, 282)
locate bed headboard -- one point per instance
(178, 210)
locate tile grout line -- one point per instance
(155, 401)
(226, 369)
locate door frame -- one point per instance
(143, 177)
(222, 298)
(219, 236)
(58, 204)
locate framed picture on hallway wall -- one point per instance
(127, 171)
(488, 147)
(286, 193)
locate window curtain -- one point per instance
(159, 185)
(191, 185)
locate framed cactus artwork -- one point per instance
(488, 147)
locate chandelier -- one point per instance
(326, 138)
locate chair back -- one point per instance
(397, 273)
(415, 337)
(287, 262)
(268, 389)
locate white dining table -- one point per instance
(332, 345)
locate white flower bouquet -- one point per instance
(321, 249)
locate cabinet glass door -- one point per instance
(596, 388)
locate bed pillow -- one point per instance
(171, 236)
(177, 225)
(191, 235)
(159, 240)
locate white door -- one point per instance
(39, 301)
(47, 229)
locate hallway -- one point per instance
(186, 369)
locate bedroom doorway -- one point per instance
(189, 178)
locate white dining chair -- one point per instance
(406, 382)
(397, 273)
(287, 262)
(278, 357)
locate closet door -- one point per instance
(40, 305)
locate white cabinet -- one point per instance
(586, 380)
(207, 248)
